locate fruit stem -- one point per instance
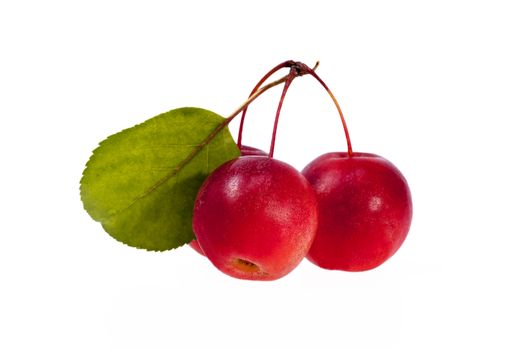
(210, 137)
(293, 73)
(263, 79)
(312, 73)
(254, 96)
(285, 64)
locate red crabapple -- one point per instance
(245, 151)
(365, 210)
(255, 218)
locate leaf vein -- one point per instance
(179, 167)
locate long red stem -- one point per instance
(293, 73)
(284, 64)
(312, 72)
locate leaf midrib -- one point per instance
(178, 168)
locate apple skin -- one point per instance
(365, 210)
(255, 218)
(252, 151)
(196, 246)
(245, 151)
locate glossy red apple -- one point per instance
(245, 151)
(255, 218)
(365, 210)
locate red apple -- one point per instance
(245, 151)
(365, 210)
(255, 218)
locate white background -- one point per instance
(437, 87)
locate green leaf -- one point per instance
(141, 183)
